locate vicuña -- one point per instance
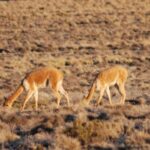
(116, 75)
(39, 78)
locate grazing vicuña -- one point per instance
(38, 79)
(116, 75)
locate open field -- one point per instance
(80, 37)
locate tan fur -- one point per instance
(38, 79)
(116, 75)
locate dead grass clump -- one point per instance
(57, 120)
(146, 125)
(64, 142)
(6, 133)
(118, 59)
(43, 139)
(95, 130)
(137, 112)
(101, 146)
(6, 114)
(17, 120)
(138, 140)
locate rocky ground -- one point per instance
(81, 38)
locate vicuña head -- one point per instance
(46, 76)
(116, 75)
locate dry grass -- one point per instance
(6, 133)
(81, 38)
(138, 140)
(99, 131)
(80, 128)
(64, 142)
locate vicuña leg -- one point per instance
(122, 92)
(63, 92)
(109, 95)
(101, 95)
(30, 93)
(36, 100)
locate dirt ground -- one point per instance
(81, 38)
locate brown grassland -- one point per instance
(81, 38)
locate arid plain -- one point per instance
(81, 38)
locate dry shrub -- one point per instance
(6, 133)
(101, 146)
(146, 125)
(43, 140)
(6, 114)
(24, 121)
(42, 136)
(137, 111)
(118, 59)
(138, 140)
(57, 120)
(64, 142)
(95, 130)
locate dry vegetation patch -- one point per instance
(81, 38)
(65, 142)
(92, 131)
(138, 139)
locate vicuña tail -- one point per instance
(10, 100)
(91, 93)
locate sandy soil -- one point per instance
(81, 38)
